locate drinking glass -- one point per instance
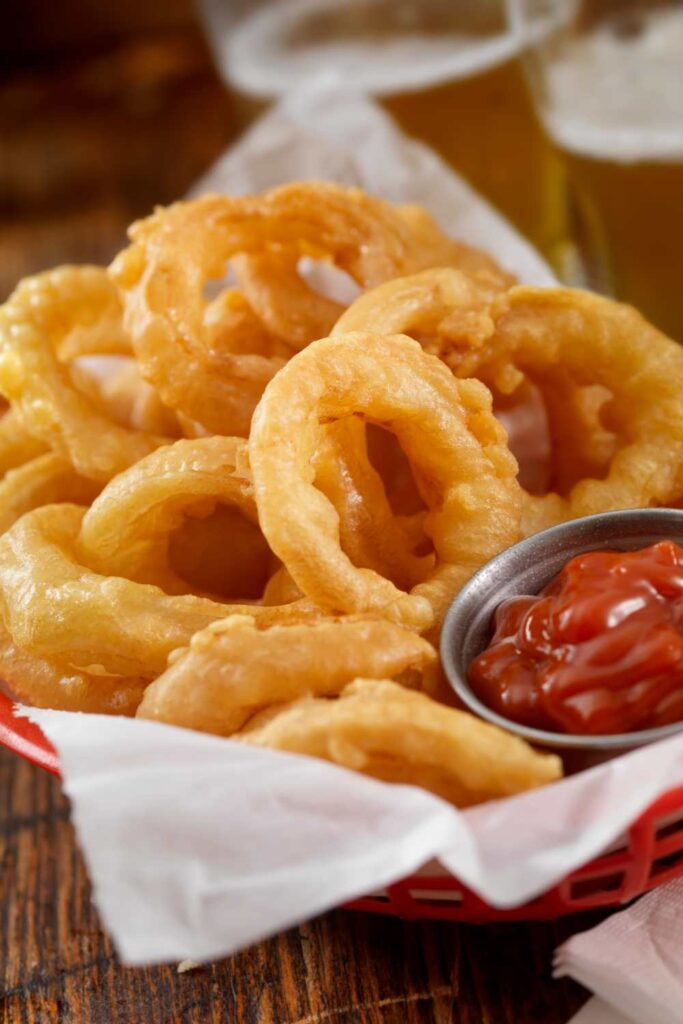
(447, 70)
(607, 80)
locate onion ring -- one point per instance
(46, 684)
(433, 306)
(42, 481)
(562, 339)
(233, 327)
(102, 338)
(39, 314)
(398, 735)
(234, 669)
(216, 388)
(369, 532)
(16, 444)
(447, 430)
(127, 628)
(127, 530)
(177, 250)
(283, 301)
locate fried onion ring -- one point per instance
(46, 684)
(446, 428)
(42, 481)
(433, 306)
(30, 476)
(563, 340)
(175, 252)
(127, 628)
(398, 735)
(127, 530)
(283, 301)
(41, 312)
(233, 327)
(217, 388)
(369, 532)
(234, 668)
(16, 444)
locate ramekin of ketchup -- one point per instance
(599, 650)
(577, 633)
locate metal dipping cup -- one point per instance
(525, 568)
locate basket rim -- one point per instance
(635, 858)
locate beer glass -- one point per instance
(607, 78)
(446, 70)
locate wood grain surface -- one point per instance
(86, 144)
(344, 967)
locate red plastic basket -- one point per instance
(651, 852)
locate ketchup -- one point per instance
(599, 650)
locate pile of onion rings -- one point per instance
(233, 501)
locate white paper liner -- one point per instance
(198, 846)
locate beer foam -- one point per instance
(616, 93)
(280, 46)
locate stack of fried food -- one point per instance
(233, 503)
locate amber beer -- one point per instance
(633, 216)
(612, 100)
(447, 70)
(485, 128)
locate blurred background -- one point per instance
(566, 114)
(105, 111)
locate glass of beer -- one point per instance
(447, 70)
(607, 78)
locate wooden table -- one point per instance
(86, 146)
